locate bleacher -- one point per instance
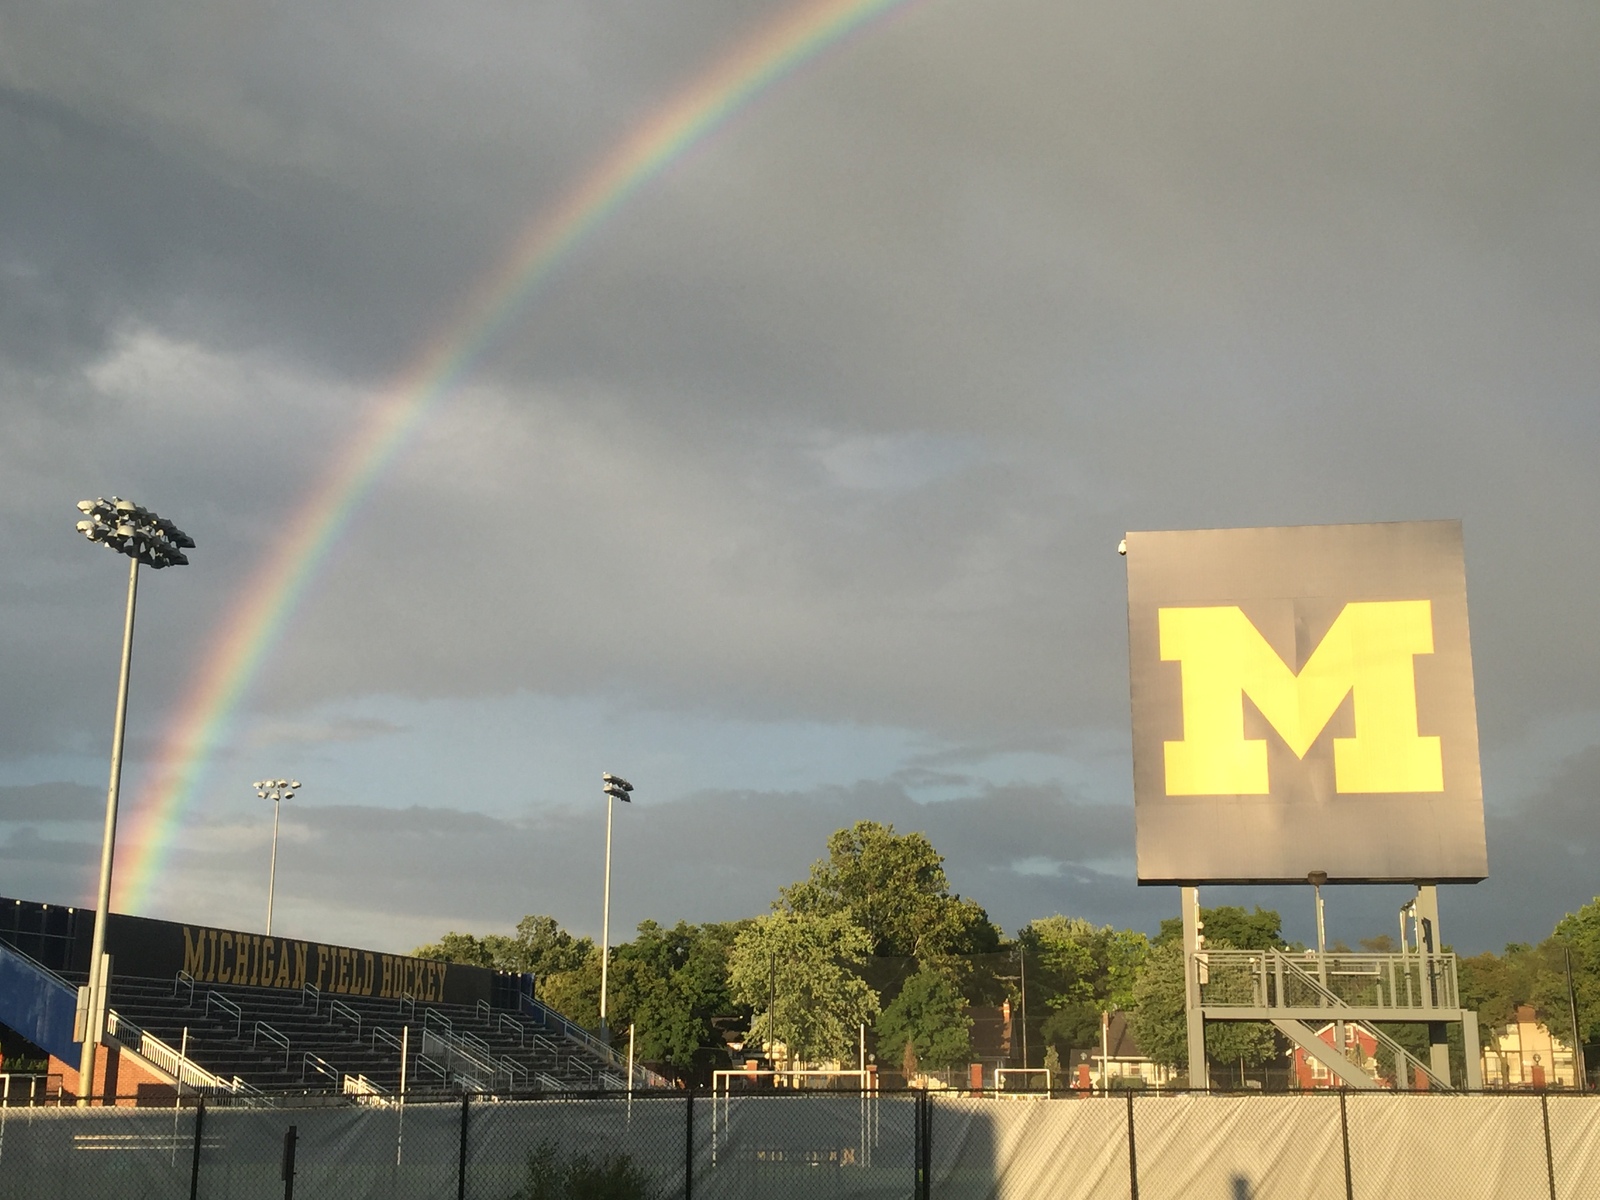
(481, 1031)
(277, 1041)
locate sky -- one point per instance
(793, 492)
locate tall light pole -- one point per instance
(125, 527)
(615, 788)
(276, 790)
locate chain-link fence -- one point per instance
(1315, 1146)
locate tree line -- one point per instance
(874, 937)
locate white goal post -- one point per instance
(1000, 1080)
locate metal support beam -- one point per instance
(1432, 946)
(1301, 1035)
(1474, 1054)
(1199, 1072)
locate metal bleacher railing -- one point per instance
(185, 1071)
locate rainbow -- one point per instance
(279, 584)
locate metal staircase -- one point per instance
(1297, 992)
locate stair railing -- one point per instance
(311, 992)
(1335, 1002)
(503, 1019)
(181, 981)
(263, 1030)
(215, 999)
(341, 1009)
(313, 1062)
(380, 1034)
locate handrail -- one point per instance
(424, 1063)
(504, 1019)
(183, 1070)
(483, 1010)
(1404, 983)
(379, 1032)
(312, 992)
(272, 1035)
(229, 1007)
(432, 1016)
(318, 1064)
(512, 1068)
(455, 1048)
(344, 1010)
(1402, 1055)
(184, 979)
(574, 1031)
(360, 1085)
(408, 1002)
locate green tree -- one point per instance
(539, 945)
(1230, 924)
(893, 887)
(931, 1014)
(671, 984)
(820, 999)
(1160, 1026)
(1076, 971)
(456, 947)
(575, 994)
(1577, 933)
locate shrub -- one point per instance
(580, 1177)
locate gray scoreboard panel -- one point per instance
(1302, 701)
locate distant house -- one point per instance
(1360, 1047)
(1123, 1063)
(1524, 1053)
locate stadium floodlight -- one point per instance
(127, 528)
(613, 787)
(276, 790)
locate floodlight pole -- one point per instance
(125, 527)
(276, 790)
(605, 929)
(102, 909)
(272, 866)
(615, 789)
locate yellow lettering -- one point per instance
(1368, 651)
(194, 954)
(224, 967)
(322, 964)
(299, 965)
(211, 956)
(387, 963)
(369, 974)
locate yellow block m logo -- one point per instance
(1367, 651)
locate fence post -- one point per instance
(1344, 1133)
(1133, 1154)
(688, 1144)
(925, 1165)
(194, 1167)
(289, 1139)
(461, 1166)
(1549, 1154)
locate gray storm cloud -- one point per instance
(840, 419)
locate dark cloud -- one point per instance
(838, 421)
(51, 802)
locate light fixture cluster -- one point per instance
(275, 789)
(134, 530)
(616, 787)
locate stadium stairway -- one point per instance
(277, 1040)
